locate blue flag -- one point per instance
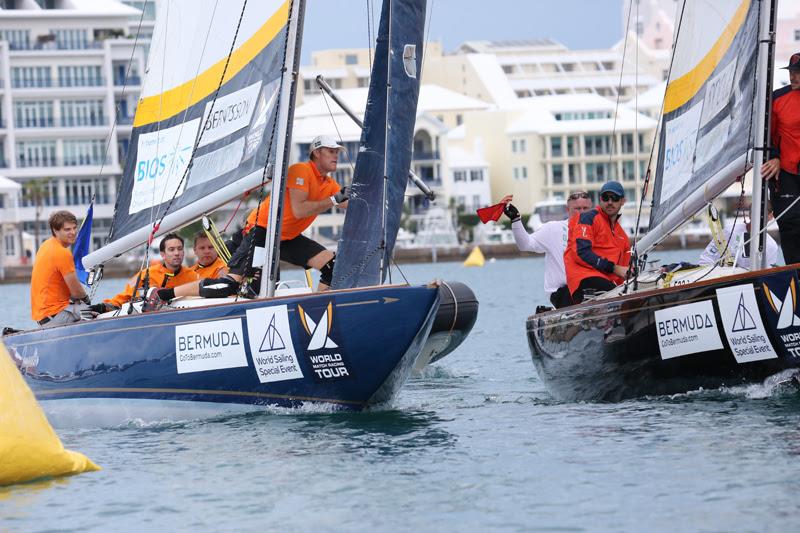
(81, 246)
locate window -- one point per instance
(49, 195)
(36, 154)
(83, 113)
(476, 175)
(17, 39)
(597, 144)
(33, 114)
(628, 171)
(71, 39)
(558, 174)
(476, 201)
(555, 147)
(84, 152)
(79, 191)
(630, 194)
(459, 119)
(627, 143)
(460, 175)
(574, 173)
(80, 76)
(642, 147)
(25, 77)
(572, 146)
(10, 245)
(351, 59)
(520, 173)
(797, 35)
(363, 81)
(514, 148)
(600, 172)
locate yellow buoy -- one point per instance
(475, 258)
(29, 448)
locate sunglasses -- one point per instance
(578, 195)
(610, 197)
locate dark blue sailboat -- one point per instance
(349, 348)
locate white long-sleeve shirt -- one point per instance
(551, 240)
(711, 254)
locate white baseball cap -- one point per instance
(324, 141)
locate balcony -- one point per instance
(81, 82)
(46, 162)
(53, 45)
(425, 156)
(35, 123)
(31, 84)
(131, 81)
(126, 120)
(92, 122)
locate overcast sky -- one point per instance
(575, 23)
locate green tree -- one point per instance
(36, 192)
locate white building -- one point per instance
(65, 80)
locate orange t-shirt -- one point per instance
(160, 277)
(303, 177)
(49, 292)
(214, 270)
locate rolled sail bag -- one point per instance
(29, 448)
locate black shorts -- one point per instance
(297, 251)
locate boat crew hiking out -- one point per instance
(598, 252)
(738, 242)
(57, 297)
(783, 169)
(551, 240)
(311, 191)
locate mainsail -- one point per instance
(707, 124)
(384, 158)
(204, 125)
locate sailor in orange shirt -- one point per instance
(168, 273)
(57, 297)
(209, 264)
(598, 251)
(310, 191)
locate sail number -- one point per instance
(675, 154)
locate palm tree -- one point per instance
(36, 192)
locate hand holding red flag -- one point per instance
(493, 212)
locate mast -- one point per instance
(289, 88)
(763, 107)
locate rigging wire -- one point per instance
(619, 84)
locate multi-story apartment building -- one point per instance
(69, 81)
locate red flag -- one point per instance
(492, 212)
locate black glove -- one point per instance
(85, 300)
(512, 212)
(102, 307)
(342, 196)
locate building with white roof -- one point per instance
(546, 147)
(65, 80)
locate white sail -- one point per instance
(204, 127)
(707, 124)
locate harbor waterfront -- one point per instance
(475, 442)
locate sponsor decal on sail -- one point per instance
(742, 323)
(271, 344)
(209, 346)
(687, 329)
(324, 354)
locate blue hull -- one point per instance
(350, 348)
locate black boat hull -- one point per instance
(455, 317)
(725, 332)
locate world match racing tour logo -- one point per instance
(324, 354)
(785, 319)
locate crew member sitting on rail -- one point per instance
(209, 263)
(310, 191)
(56, 294)
(738, 243)
(550, 240)
(166, 274)
(598, 252)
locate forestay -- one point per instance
(384, 158)
(189, 141)
(707, 118)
